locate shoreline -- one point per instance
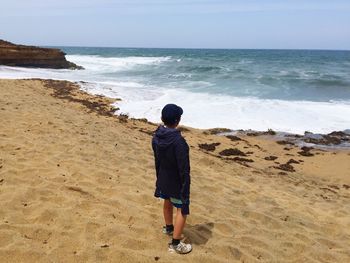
(336, 140)
(339, 141)
(289, 117)
(77, 182)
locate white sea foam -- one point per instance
(208, 111)
(113, 64)
(144, 100)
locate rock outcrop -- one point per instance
(35, 57)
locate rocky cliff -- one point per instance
(30, 56)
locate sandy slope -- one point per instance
(76, 185)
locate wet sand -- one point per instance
(77, 182)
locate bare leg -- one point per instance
(168, 212)
(180, 221)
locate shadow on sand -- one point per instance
(199, 234)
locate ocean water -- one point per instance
(285, 90)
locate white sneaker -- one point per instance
(181, 248)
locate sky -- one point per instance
(265, 24)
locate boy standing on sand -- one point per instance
(171, 153)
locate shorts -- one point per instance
(176, 202)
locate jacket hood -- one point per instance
(165, 137)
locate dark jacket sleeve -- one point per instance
(156, 160)
(183, 165)
(156, 164)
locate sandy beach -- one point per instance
(77, 183)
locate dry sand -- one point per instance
(76, 185)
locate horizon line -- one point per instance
(190, 48)
(203, 48)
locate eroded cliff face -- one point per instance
(36, 57)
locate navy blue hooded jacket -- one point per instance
(172, 162)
